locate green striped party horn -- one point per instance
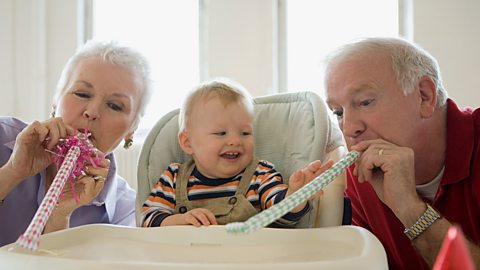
(278, 210)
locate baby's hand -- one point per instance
(199, 217)
(303, 176)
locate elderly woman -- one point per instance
(104, 88)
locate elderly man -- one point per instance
(419, 172)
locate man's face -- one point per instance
(363, 93)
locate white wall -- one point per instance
(7, 103)
(38, 36)
(36, 39)
(22, 54)
(450, 31)
(245, 49)
(62, 38)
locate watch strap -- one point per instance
(423, 222)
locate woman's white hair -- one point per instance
(116, 54)
(409, 62)
(228, 91)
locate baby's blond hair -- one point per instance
(225, 90)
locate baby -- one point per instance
(224, 182)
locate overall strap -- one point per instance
(247, 178)
(184, 172)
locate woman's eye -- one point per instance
(82, 94)
(115, 107)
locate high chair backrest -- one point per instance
(290, 130)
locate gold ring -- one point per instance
(98, 178)
(380, 152)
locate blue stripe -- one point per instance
(163, 196)
(266, 164)
(165, 182)
(211, 195)
(280, 196)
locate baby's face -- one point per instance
(220, 137)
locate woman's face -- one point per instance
(103, 98)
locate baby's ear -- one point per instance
(184, 142)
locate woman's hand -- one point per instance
(87, 188)
(29, 156)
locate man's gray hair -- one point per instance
(116, 54)
(409, 62)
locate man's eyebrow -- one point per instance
(363, 87)
(356, 91)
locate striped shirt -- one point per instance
(266, 189)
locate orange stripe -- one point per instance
(160, 200)
(263, 198)
(252, 193)
(269, 204)
(204, 187)
(165, 188)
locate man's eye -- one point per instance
(366, 102)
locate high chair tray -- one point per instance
(185, 247)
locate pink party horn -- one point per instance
(31, 238)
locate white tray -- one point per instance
(186, 247)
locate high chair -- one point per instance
(290, 130)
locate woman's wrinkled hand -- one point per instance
(29, 156)
(87, 187)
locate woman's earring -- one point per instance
(128, 143)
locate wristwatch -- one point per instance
(423, 222)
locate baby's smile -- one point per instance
(230, 155)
